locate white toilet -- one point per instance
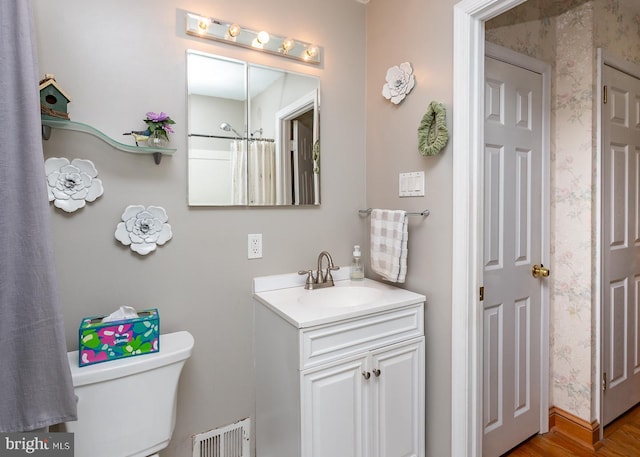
(127, 407)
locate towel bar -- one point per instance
(424, 213)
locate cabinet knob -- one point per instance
(366, 374)
(376, 372)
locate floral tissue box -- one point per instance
(105, 341)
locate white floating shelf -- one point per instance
(48, 124)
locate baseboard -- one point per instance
(585, 433)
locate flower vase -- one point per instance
(157, 139)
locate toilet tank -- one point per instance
(127, 407)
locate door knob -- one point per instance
(376, 372)
(539, 271)
(366, 374)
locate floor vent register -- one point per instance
(229, 441)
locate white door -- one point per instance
(334, 406)
(514, 215)
(620, 242)
(397, 381)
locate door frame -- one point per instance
(284, 116)
(607, 58)
(468, 139)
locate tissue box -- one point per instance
(104, 341)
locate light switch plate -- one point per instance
(411, 184)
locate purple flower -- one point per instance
(159, 123)
(162, 116)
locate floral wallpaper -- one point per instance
(566, 34)
(619, 32)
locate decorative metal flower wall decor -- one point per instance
(143, 229)
(400, 81)
(72, 184)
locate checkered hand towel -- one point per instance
(389, 235)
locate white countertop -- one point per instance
(286, 296)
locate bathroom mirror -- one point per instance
(253, 134)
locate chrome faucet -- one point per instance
(320, 279)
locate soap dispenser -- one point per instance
(357, 269)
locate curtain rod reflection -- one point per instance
(200, 135)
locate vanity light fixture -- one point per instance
(232, 33)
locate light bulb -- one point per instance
(203, 24)
(233, 30)
(311, 51)
(263, 37)
(287, 45)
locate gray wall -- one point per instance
(120, 59)
(420, 32)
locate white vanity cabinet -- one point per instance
(349, 410)
(352, 386)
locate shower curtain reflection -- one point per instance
(262, 173)
(238, 172)
(231, 172)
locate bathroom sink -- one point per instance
(286, 296)
(336, 297)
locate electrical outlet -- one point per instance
(254, 246)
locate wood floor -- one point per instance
(621, 439)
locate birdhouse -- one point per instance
(53, 100)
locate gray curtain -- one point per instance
(35, 382)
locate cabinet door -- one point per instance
(397, 392)
(335, 409)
